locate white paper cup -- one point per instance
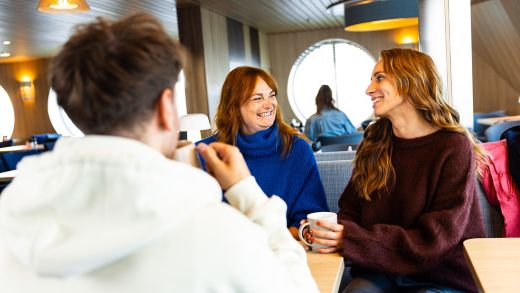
(186, 153)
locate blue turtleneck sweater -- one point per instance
(294, 178)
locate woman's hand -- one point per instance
(333, 236)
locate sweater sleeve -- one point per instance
(311, 194)
(269, 214)
(207, 140)
(395, 249)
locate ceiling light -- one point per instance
(63, 6)
(374, 15)
(6, 43)
(5, 54)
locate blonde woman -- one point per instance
(411, 201)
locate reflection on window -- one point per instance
(344, 66)
(59, 119)
(6, 115)
(64, 126)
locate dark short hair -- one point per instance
(110, 74)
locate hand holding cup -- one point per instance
(321, 232)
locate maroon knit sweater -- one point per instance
(418, 228)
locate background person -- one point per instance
(411, 201)
(282, 162)
(328, 120)
(111, 212)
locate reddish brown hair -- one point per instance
(237, 89)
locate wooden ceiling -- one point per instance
(33, 34)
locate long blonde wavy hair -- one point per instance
(236, 91)
(416, 78)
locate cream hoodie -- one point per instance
(109, 214)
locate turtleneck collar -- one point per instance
(262, 143)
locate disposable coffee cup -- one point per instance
(187, 153)
(304, 230)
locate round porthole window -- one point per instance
(6, 115)
(343, 65)
(59, 119)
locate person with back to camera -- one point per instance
(111, 212)
(411, 201)
(282, 162)
(328, 120)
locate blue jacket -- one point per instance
(295, 178)
(330, 122)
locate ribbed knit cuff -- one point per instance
(246, 195)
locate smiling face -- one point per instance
(259, 111)
(386, 100)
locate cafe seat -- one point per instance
(332, 156)
(45, 137)
(338, 143)
(494, 132)
(11, 159)
(6, 143)
(334, 176)
(478, 128)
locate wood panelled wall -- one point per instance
(30, 117)
(214, 29)
(490, 91)
(191, 36)
(496, 55)
(222, 44)
(284, 49)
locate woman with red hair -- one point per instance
(280, 159)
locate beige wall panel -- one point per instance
(490, 91)
(265, 62)
(496, 39)
(216, 52)
(30, 117)
(247, 44)
(284, 49)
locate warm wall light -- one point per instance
(407, 37)
(27, 90)
(63, 6)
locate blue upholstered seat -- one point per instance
(332, 156)
(494, 132)
(11, 159)
(45, 137)
(334, 177)
(479, 129)
(6, 143)
(338, 143)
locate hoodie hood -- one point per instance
(95, 200)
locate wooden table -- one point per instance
(327, 270)
(494, 263)
(493, 120)
(18, 148)
(7, 176)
